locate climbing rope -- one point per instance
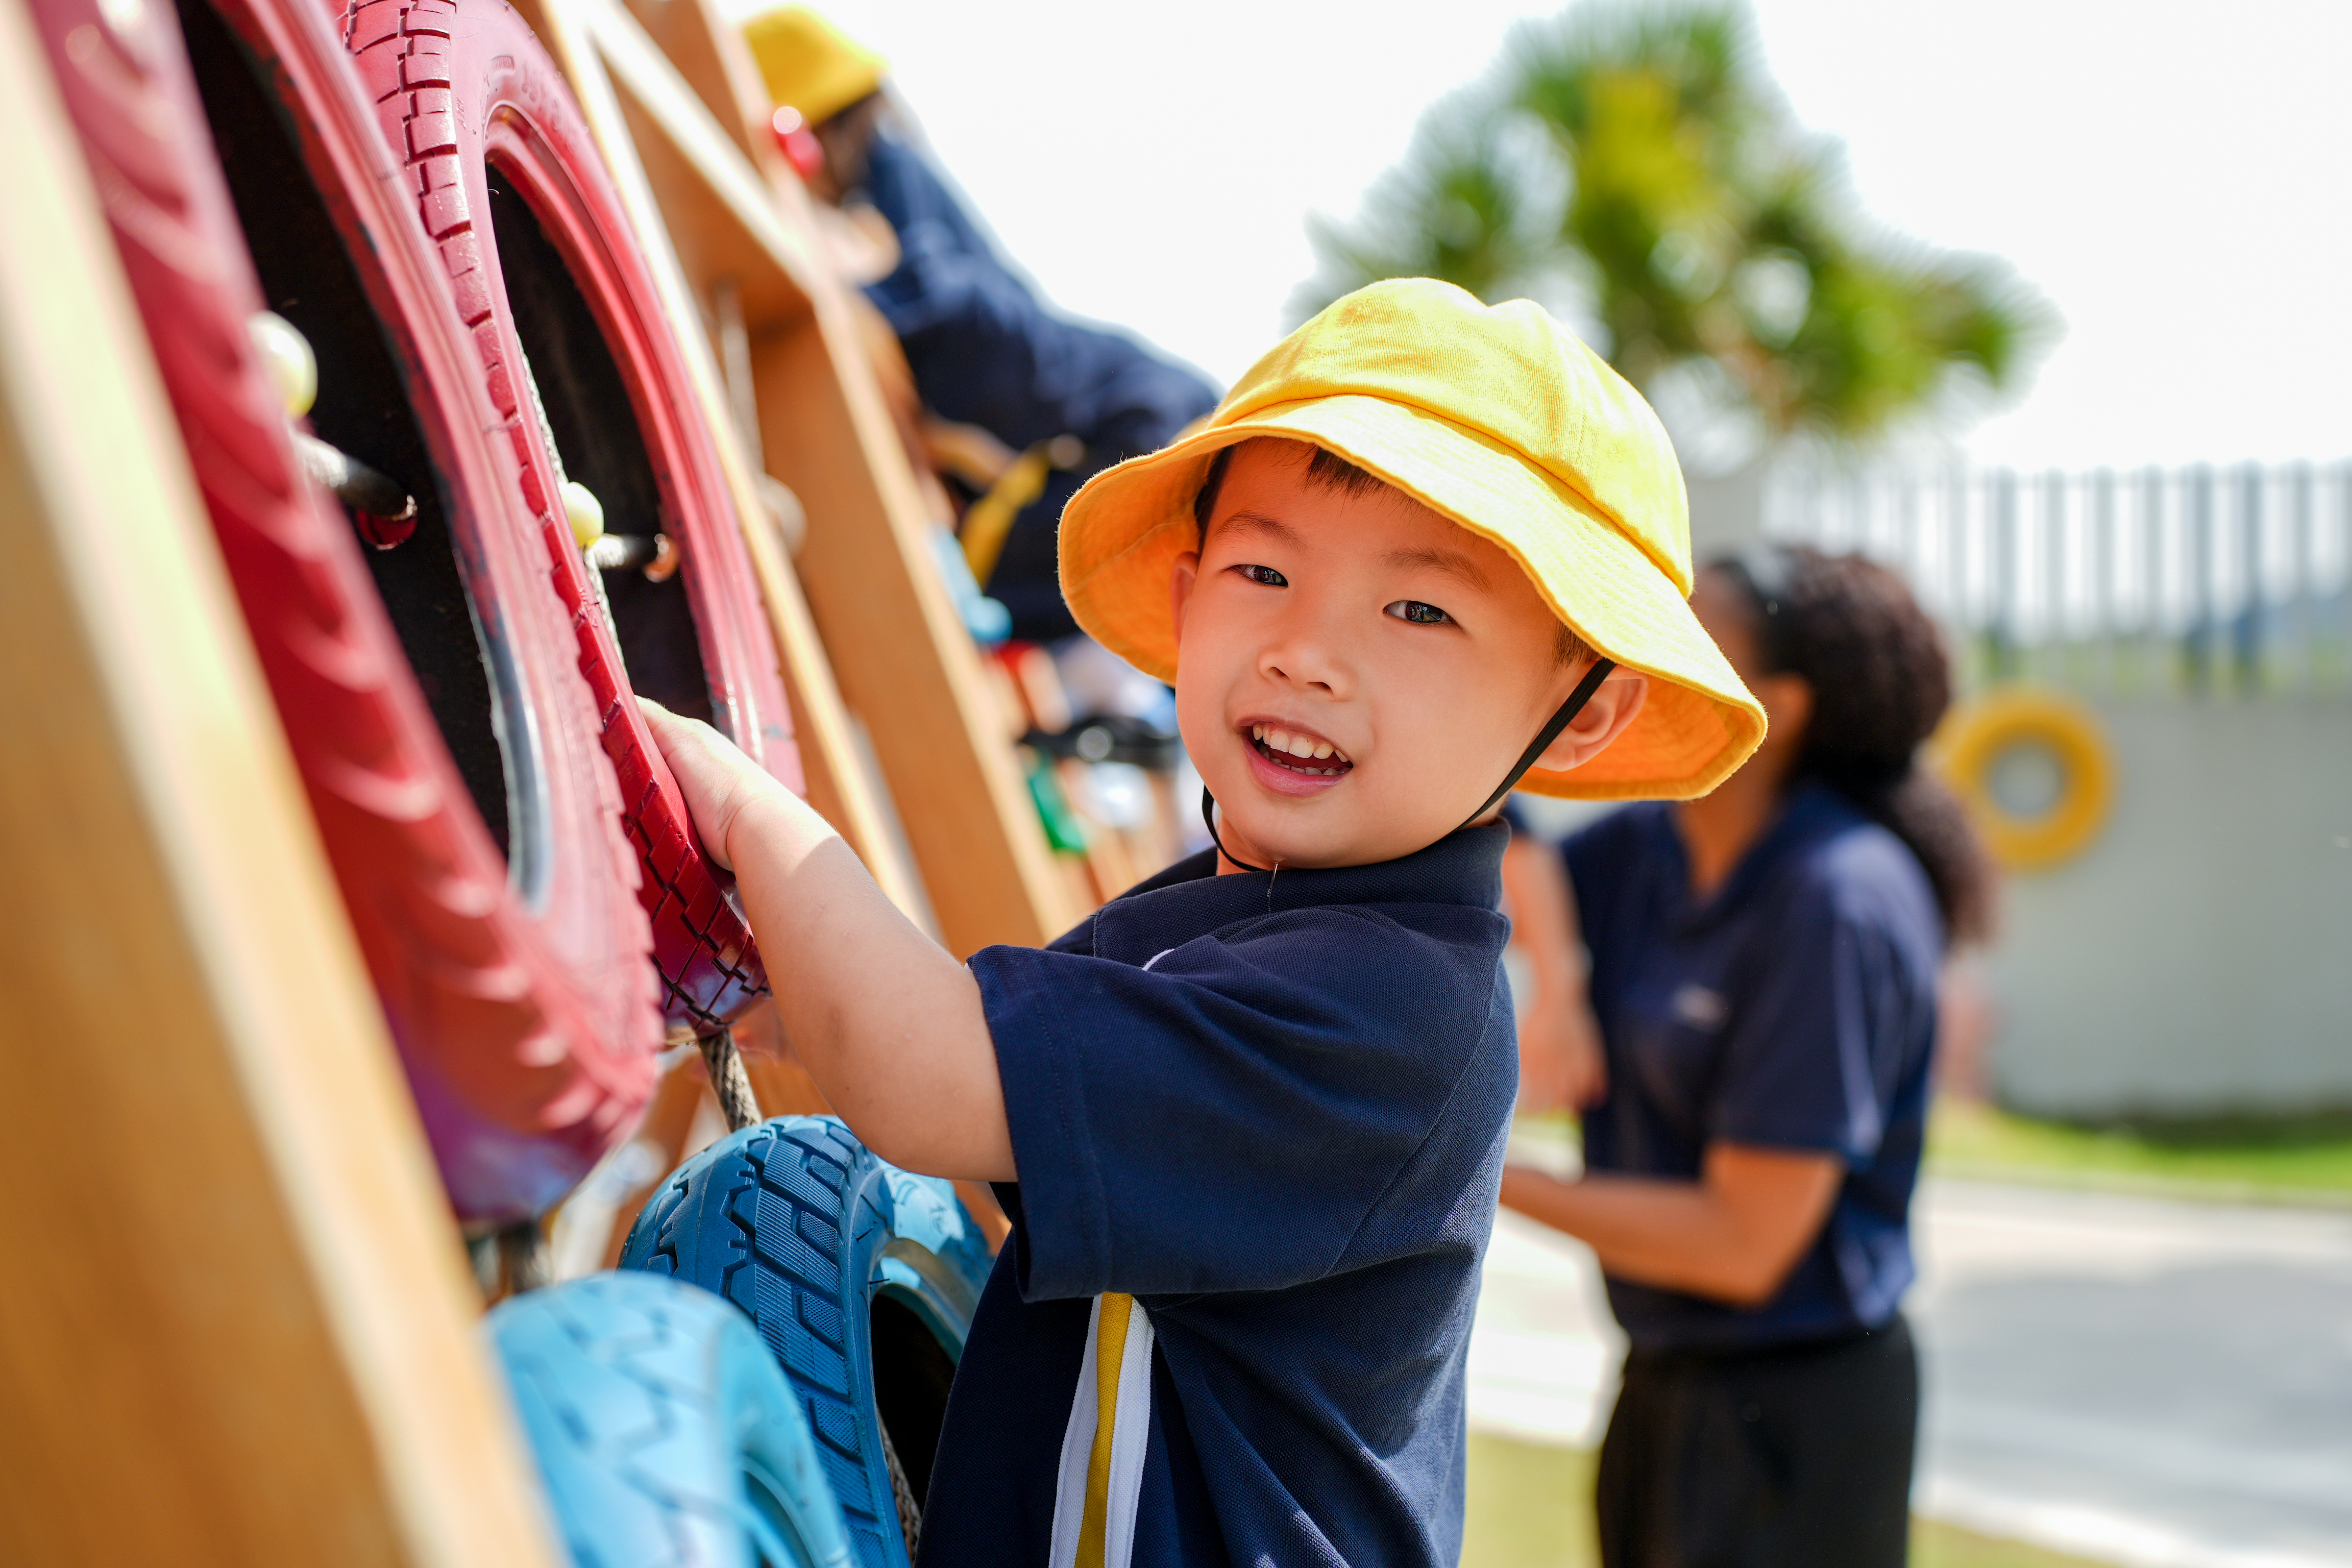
(728, 1080)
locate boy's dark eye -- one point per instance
(1266, 574)
(1418, 613)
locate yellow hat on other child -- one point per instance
(810, 65)
(1500, 419)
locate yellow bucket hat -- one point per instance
(809, 64)
(1500, 419)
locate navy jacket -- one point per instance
(985, 350)
(1273, 1108)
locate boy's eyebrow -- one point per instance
(1257, 523)
(1453, 563)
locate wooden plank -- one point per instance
(711, 59)
(840, 785)
(235, 1326)
(900, 655)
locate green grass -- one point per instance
(1531, 1507)
(2306, 1160)
(1935, 1544)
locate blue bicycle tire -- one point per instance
(829, 1249)
(665, 1432)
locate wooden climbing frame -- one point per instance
(676, 106)
(235, 1327)
(238, 1326)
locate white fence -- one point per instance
(2194, 580)
(2192, 960)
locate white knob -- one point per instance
(286, 359)
(584, 512)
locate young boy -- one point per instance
(1250, 1116)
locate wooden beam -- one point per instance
(841, 786)
(235, 1326)
(711, 59)
(900, 655)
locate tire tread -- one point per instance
(709, 967)
(448, 942)
(785, 1261)
(636, 1376)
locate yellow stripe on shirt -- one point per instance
(1111, 1355)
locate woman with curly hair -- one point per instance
(1753, 1072)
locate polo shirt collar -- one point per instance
(1812, 810)
(1189, 900)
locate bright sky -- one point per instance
(2177, 178)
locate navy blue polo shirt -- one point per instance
(1272, 1110)
(1795, 1009)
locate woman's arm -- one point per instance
(1732, 1235)
(888, 1024)
(1560, 1064)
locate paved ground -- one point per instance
(2162, 1385)
(2156, 1382)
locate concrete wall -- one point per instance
(2197, 958)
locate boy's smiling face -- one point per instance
(1357, 673)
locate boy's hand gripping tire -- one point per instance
(497, 160)
(664, 1430)
(862, 1279)
(431, 693)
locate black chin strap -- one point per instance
(1544, 737)
(1547, 735)
(1208, 816)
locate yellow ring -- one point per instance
(1973, 739)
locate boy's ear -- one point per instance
(1601, 721)
(1181, 578)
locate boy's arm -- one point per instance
(890, 1026)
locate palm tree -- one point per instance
(1636, 155)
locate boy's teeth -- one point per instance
(1282, 743)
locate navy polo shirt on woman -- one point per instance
(1271, 1110)
(1795, 1009)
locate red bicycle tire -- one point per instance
(470, 101)
(528, 1025)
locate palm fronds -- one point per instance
(1637, 154)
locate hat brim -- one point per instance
(1123, 532)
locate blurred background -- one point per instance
(2040, 305)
